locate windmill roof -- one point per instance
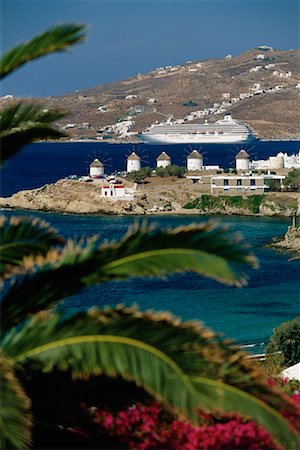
(163, 157)
(195, 155)
(96, 163)
(134, 156)
(242, 154)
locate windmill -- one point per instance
(103, 156)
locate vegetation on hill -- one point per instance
(138, 176)
(292, 180)
(210, 202)
(171, 171)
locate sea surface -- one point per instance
(42, 163)
(247, 315)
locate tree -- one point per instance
(138, 176)
(292, 180)
(184, 366)
(171, 171)
(286, 341)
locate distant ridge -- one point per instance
(260, 87)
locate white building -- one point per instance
(117, 192)
(96, 168)
(244, 184)
(131, 96)
(194, 161)
(276, 162)
(255, 86)
(133, 162)
(261, 56)
(255, 69)
(244, 95)
(226, 95)
(163, 160)
(242, 160)
(289, 162)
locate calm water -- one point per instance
(247, 315)
(38, 164)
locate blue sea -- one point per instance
(38, 164)
(247, 315)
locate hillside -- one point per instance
(259, 87)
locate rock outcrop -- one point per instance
(291, 240)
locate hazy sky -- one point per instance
(126, 37)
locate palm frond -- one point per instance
(195, 348)
(81, 348)
(228, 398)
(15, 418)
(105, 343)
(204, 249)
(24, 237)
(23, 123)
(55, 39)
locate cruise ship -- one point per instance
(223, 131)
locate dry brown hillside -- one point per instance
(273, 114)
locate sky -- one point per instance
(128, 37)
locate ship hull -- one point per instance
(192, 139)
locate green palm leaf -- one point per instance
(56, 39)
(84, 345)
(15, 419)
(205, 249)
(228, 398)
(23, 123)
(24, 237)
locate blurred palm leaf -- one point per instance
(20, 238)
(89, 345)
(205, 249)
(56, 39)
(231, 399)
(15, 418)
(23, 123)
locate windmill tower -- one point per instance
(194, 161)
(242, 160)
(96, 168)
(163, 160)
(133, 162)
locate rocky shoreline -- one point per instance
(162, 196)
(290, 242)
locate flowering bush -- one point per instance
(151, 427)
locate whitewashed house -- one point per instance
(117, 192)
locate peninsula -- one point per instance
(156, 195)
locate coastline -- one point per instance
(171, 196)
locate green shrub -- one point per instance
(286, 339)
(171, 171)
(137, 176)
(208, 202)
(292, 180)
